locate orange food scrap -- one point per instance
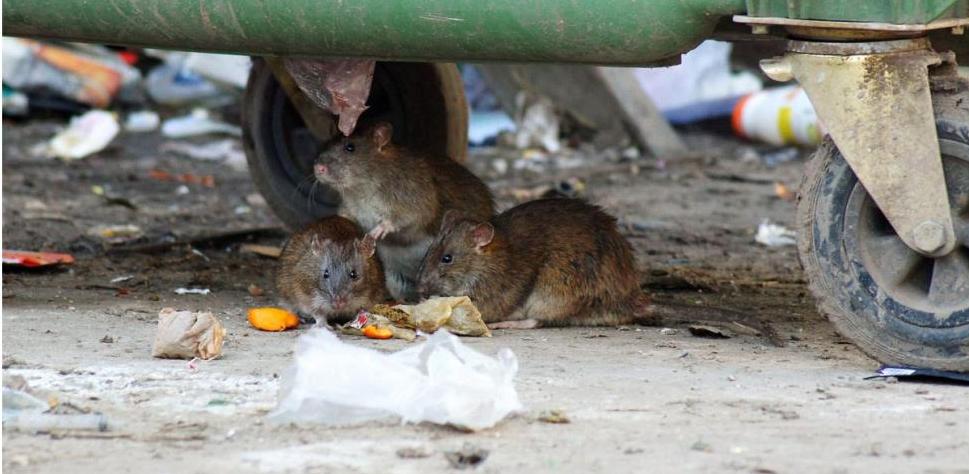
(272, 319)
(784, 192)
(374, 332)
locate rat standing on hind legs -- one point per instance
(400, 195)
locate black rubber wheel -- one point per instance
(898, 306)
(424, 101)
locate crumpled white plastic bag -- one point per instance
(440, 381)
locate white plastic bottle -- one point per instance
(779, 116)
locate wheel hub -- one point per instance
(934, 291)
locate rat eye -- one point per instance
(353, 274)
(348, 147)
(447, 258)
(326, 274)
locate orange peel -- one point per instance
(375, 332)
(272, 319)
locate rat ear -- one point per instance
(482, 234)
(366, 246)
(382, 133)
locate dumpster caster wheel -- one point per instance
(424, 101)
(897, 305)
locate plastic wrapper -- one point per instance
(440, 381)
(186, 335)
(87, 134)
(341, 86)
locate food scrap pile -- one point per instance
(456, 314)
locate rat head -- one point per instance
(459, 256)
(343, 274)
(346, 161)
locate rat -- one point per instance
(400, 195)
(329, 271)
(548, 262)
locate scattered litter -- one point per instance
(272, 319)
(88, 74)
(226, 69)
(554, 416)
(773, 235)
(24, 411)
(700, 86)
(537, 123)
(141, 121)
(192, 291)
(468, 457)
(15, 103)
(106, 339)
(377, 332)
(668, 332)
(116, 234)
(484, 126)
(46, 422)
(377, 326)
(710, 332)
(182, 190)
(199, 253)
(197, 123)
(111, 199)
(783, 192)
(916, 374)
(779, 116)
(440, 381)
(240, 210)
(227, 151)
(121, 278)
(255, 290)
(86, 134)
(457, 314)
(174, 84)
(414, 452)
(187, 334)
(702, 446)
(264, 250)
(187, 178)
(35, 259)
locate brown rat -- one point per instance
(549, 262)
(400, 195)
(329, 271)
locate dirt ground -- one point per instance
(639, 400)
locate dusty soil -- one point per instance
(638, 399)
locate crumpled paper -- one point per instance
(440, 381)
(457, 314)
(187, 334)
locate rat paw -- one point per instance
(522, 324)
(382, 229)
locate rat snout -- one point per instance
(425, 290)
(340, 302)
(320, 170)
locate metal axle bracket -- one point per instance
(874, 100)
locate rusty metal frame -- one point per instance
(875, 101)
